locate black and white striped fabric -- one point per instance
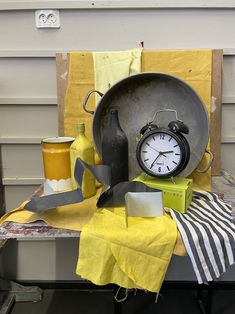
(208, 233)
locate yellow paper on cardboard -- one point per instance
(80, 81)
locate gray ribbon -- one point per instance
(110, 196)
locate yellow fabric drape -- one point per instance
(72, 217)
(112, 66)
(133, 257)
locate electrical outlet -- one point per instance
(47, 18)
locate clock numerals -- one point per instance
(162, 136)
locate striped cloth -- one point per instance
(208, 233)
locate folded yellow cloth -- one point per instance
(112, 66)
(72, 217)
(133, 257)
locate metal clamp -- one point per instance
(86, 100)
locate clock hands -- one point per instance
(167, 152)
(159, 154)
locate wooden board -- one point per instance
(215, 122)
(62, 62)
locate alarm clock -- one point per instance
(163, 152)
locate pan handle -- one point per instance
(87, 97)
(209, 163)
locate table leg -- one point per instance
(206, 305)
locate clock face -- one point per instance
(160, 153)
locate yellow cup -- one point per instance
(56, 162)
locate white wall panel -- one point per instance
(44, 259)
(120, 29)
(227, 158)
(82, 4)
(28, 121)
(228, 120)
(22, 161)
(229, 76)
(15, 195)
(27, 77)
(29, 268)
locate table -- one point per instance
(224, 185)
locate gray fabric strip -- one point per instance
(109, 197)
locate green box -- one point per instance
(176, 195)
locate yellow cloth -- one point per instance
(72, 217)
(112, 66)
(193, 66)
(133, 257)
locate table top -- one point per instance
(35, 230)
(224, 185)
